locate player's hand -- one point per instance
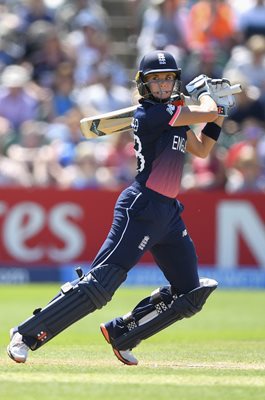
(198, 87)
(224, 103)
(188, 101)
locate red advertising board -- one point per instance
(51, 226)
(228, 230)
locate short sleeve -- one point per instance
(161, 115)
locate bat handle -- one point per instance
(234, 89)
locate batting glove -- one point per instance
(224, 103)
(198, 87)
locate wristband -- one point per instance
(212, 130)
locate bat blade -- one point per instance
(106, 124)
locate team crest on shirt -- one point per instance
(170, 109)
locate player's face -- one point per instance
(161, 84)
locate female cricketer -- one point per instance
(147, 216)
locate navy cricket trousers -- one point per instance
(145, 220)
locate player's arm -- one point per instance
(213, 96)
(202, 144)
(206, 111)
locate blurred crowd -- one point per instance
(58, 65)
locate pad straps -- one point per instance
(161, 314)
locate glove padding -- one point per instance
(198, 87)
(224, 103)
(202, 85)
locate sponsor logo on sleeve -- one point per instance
(170, 109)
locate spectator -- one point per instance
(252, 134)
(11, 45)
(34, 10)
(252, 21)
(46, 51)
(17, 103)
(87, 172)
(12, 173)
(67, 14)
(164, 24)
(72, 121)
(249, 62)
(65, 133)
(105, 95)
(120, 158)
(206, 174)
(91, 45)
(248, 106)
(211, 23)
(27, 151)
(246, 174)
(208, 61)
(63, 89)
(38, 157)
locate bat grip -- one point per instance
(234, 89)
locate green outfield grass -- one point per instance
(217, 354)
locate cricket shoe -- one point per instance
(125, 356)
(17, 349)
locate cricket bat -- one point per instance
(119, 121)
